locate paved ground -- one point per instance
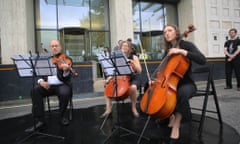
(229, 101)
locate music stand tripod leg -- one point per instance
(40, 133)
(144, 128)
(105, 119)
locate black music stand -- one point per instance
(115, 65)
(29, 65)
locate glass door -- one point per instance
(74, 43)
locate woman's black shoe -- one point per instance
(38, 126)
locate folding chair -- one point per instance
(70, 105)
(208, 90)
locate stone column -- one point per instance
(121, 24)
(17, 28)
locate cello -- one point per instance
(118, 86)
(159, 100)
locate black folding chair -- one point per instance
(70, 106)
(205, 75)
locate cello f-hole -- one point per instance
(163, 82)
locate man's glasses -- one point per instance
(54, 46)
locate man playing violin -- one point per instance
(58, 84)
(186, 86)
(125, 47)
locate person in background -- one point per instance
(117, 47)
(133, 46)
(143, 55)
(125, 47)
(106, 52)
(232, 58)
(58, 84)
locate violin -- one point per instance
(63, 59)
(159, 100)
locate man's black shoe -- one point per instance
(39, 125)
(64, 121)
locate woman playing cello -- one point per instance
(125, 47)
(186, 86)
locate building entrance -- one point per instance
(74, 41)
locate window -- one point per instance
(0, 49)
(44, 37)
(149, 19)
(46, 17)
(73, 22)
(73, 13)
(99, 15)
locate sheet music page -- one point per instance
(25, 72)
(53, 80)
(106, 64)
(125, 70)
(121, 62)
(44, 67)
(23, 64)
(42, 64)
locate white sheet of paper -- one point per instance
(53, 80)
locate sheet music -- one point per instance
(23, 64)
(121, 63)
(107, 64)
(117, 64)
(53, 80)
(42, 64)
(45, 68)
(25, 72)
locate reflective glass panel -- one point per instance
(73, 13)
(74, 43)
(148, 16)
(149, 19)
(99, 15)
(99, 41)
(44, 38)
(46, 17)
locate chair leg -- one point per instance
(48, 103)
(217, 104)
(218, 109)
(200, 128)
(70, 109)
